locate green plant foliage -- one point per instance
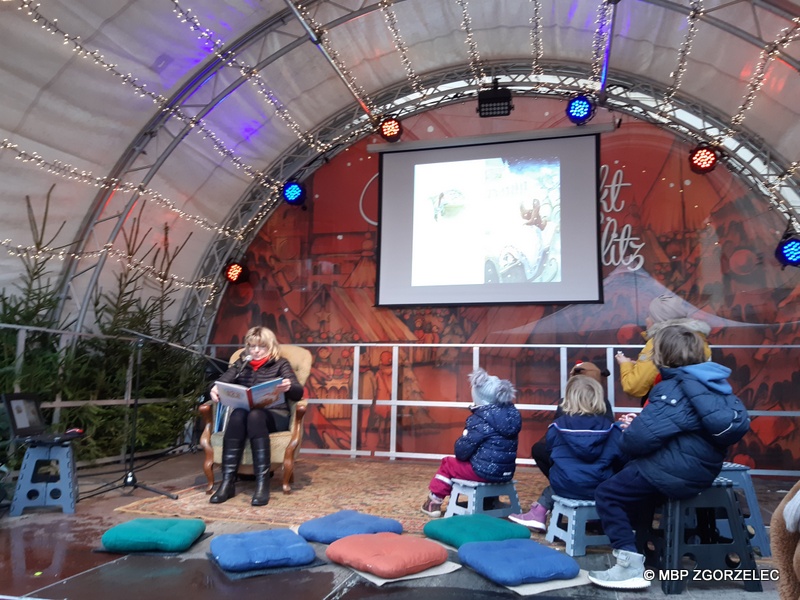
(113, 365)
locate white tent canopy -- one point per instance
(157, 120)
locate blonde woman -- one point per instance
(584, 445)
(260, 362)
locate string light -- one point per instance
(537, 46)
(475, 66)
(602, 31)
(683, 54)
(400, 45)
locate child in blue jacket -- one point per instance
(487, 450)
(584, 446)
(677, 446)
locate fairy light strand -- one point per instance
(537, 46)
(695, 13)
(600, 40)
(400, 45)
(475, 63)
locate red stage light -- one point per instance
(390, 129)
(236, 272)
(703, 159)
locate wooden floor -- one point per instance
(47, 554)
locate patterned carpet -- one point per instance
(323, 485)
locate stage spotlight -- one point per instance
(294, 193)
(236, 272)
(495, 102)
(390, 129)
(788, 250)
(703, 159)
(580, 109)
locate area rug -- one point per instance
(323, 485)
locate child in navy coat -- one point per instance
(487, 450)
(584, 445)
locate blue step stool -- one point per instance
(576, 514)
(476, 492)
(36, 488)
(740, 476)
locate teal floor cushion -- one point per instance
(460, 529)
(330, 528)
(153, 535)
(254, 550)
(515, 562)
(387, 555)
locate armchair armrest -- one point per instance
(296, 439)
(206, 411)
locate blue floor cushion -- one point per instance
(460, 529)
(251, 550)
(387, 555)
(330, 528)
(515, 562)
(153, 535)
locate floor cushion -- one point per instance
(515, 562)
(460, 529)
(148, 535)
(340, 524)
(270, 548)
(387, 555)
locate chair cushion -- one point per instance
(261, 549)
(387, 555)
(147, 535)
(515, 562)
(340, 524)
(460, 529)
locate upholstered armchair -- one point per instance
(284, 445)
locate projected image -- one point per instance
(491, 220)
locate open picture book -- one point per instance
(262, 395)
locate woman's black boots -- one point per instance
(261, 465)
(231, 456)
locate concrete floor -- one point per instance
(47, 554)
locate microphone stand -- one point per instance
(130, 475)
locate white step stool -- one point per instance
(476, 492)
(577, 514)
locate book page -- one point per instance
(265, 394)
(233, 395)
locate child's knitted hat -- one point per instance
(488, 389)
(591, 370)
(667, 307)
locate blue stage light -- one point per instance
(580, 109)
(788, 250)
(294, 193)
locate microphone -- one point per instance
(245, 361)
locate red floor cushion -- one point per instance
(460, 529)
(387, 555)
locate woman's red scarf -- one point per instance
(255, 364)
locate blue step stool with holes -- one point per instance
(740, 476)
(689, 527)
(37, 486)
(476, 492)
(568, 521)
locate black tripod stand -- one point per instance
(130, 474)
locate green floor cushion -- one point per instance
(387, 555)
(460, 529)
(515, 562)
(330, 528)
(148, 535)
(239, 552)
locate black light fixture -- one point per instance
(236, 272)
(581, 109)
(294, 193)
(788, 249)
(390, 129)
(703, 159)
(495, 102)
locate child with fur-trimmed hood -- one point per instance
(487, 450)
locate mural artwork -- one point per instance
(707, 238)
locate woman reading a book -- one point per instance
(260, 363)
